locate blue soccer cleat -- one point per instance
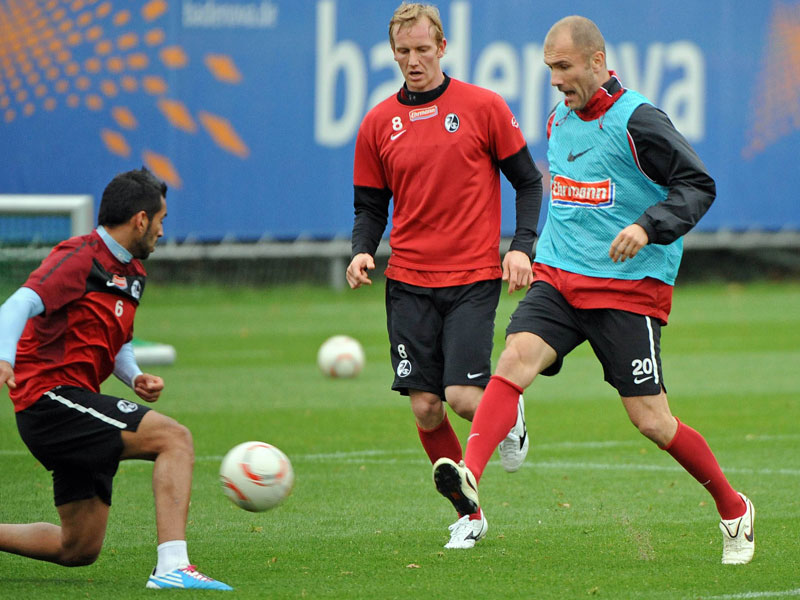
(185, 578)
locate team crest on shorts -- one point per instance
(404, 368)
(451, 122)
(127, 406)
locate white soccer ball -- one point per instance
(341, 356)
(256, 476)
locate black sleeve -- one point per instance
(666, 158)
(525, 177)
(372, 213)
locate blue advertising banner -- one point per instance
(250, 109)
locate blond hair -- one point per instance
(408, 13)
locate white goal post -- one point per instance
(80, 208)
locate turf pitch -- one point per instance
(596, 510)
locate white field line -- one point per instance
(389, 457)
(395, 456)
(550, 446)
(747, 595)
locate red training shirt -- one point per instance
(440, 160)
(90, 300)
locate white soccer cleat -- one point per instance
(514, 448)
(456, 483)
(738, 536)
(185, 578)
(465, 532)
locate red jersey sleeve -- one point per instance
(367, 166)
(504, 132)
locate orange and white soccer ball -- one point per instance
(341, 356)
(256, 476)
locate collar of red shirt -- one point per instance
(602, 99)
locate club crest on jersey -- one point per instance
(136, 289)
(118, 281)
(418, 114)
(451, 122)
(127, 406)
(590, 194)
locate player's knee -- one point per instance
(181, 439)
(427, 408)
(511, 362)
(511, 356)
(652, 427)
(80, 555)
(167, 435)
(464, 400)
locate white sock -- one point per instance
(172, 555)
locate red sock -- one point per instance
(441, 441)
(690, 449)
(496, 415)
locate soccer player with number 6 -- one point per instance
(62, 334)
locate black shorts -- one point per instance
(627, 344)
(441, 336)
(76, 434)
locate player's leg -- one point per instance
(496, 414)
(451, 477)
(468, 315)
(542, 330)
(524, 356)
(629, 347)
(76, 542)
(651, 415)
(433, 426)
(169, 444)
(75, 435)
(468, 336)
(414, 326)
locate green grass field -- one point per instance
(596, 511)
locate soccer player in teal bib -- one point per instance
(625, 187)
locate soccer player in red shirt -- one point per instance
(437, 148)
(62, 334)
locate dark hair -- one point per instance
(128, 193)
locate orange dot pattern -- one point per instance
(775, 109)
(224, 134)
(44, 65)
(223, 68)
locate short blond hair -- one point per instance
(408, 13)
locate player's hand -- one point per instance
(628, 243)
(148, 387)
(7, 375)
(517, 271)
(357, 270)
